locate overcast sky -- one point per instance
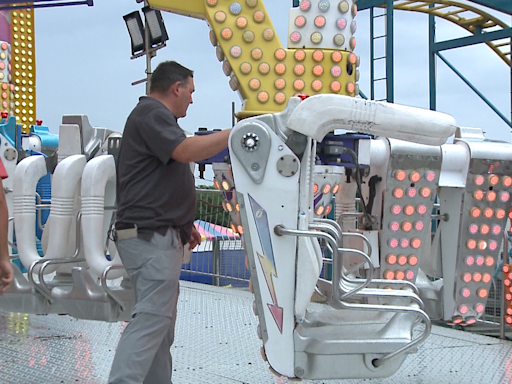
(84, 67)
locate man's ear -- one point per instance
(174, 89)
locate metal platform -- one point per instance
(216, 343)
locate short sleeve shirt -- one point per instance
(153, 190)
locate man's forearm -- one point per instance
(201, 147)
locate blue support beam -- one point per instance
(471, 40)
(498, 5)
(432, 62)
(468, 83)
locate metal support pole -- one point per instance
(146, 51)
(390, 97)
(216, 261)
(372, 56)
(432, 60)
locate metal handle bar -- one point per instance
(42, 287)
(107, 289)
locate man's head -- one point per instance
(173, 85)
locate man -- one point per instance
(6, 272)
(155, 218)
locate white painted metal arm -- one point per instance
(320, 114)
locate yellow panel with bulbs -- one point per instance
(23, 67)
(264, 72)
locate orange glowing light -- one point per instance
(478, 194)
(482, 293)
(226, 33)
(500, 213)
(466, 277)
(406, 226)
(318, 55)
(415, 177)
(400, 175)
(258, 16)
(264, 68)
(482, 245)
(280, 69)
(493, 179)
(336, 56)
(279, 98)
(299, 84)
(317, 85)
(478, 180)
(351, 87)
(475, 212)
(280, 83)
(299, 69)
(471, 244)
(254, 84)
(415, 243)
(486, 278)
(489, 261)
(484, 229)
(400, 275)
(300, 21)
(256, 54)
(506, 181)
(398, 193)
(335, 86)
(241, 22)
(409, 210)
(402, 260)
(326, 188)
(263, 97)
(389, 275)
(320, 21)
(315, 188)
(280, 54)
(391, 259)
(488, 212)
(352, 58)
(491, 196)
(318, 70)
(320, 210)
(299, 55)
(477, 277)
(335, 188)
(413, 260)
(425, 192)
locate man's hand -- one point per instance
(6, 275)
(195, 238)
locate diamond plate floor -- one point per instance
(216, 343)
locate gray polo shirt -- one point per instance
(154, 191)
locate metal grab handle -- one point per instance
(337, 227)
(107, 289)
(376, 292)
(279, 230)
(339, 265)
(42, 287)
(395, 308)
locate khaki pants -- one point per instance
(143, 353)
